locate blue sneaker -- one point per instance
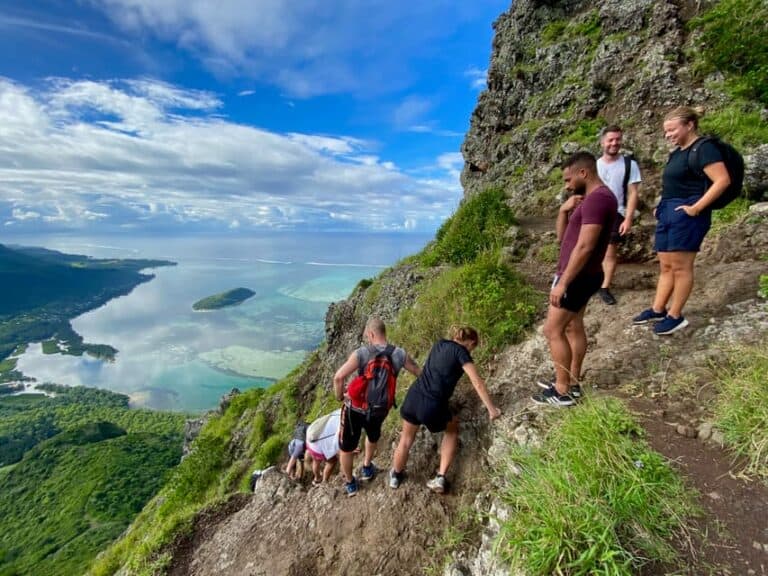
(351, 487)
(395, 479)
(649, 315)
(670, 325)
(368, 472)
(553, 397)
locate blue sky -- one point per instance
(236, 115)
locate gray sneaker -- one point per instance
(437, 484)
(395, 478)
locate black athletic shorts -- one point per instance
(617, 238)
(580, 290)
(419, 409)
(352, 425)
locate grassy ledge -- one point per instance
(741, 411)
(594, 499)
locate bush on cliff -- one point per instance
(484, 293)
(478, 225)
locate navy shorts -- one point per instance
(352, 425)
(678, 232)
(580, 290)
(419, 409)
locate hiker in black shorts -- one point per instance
(353, 421)
(427, 402)
(683, 218)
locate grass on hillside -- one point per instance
(733, 34)
(486, 294)
(594, 499)
(741, 411)
(478, 225)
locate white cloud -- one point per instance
(246, 93)
(306, 48)
(477, 78)
(148, 154)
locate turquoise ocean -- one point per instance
(173, 358)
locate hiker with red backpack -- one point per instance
(368, 397)
(701, 174)
(427, 403)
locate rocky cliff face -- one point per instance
(560, 70)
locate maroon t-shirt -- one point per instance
(598, 207)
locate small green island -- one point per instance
(228, 298)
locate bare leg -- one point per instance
(666, 282)
(559, 347)
(682, 270)
(609, 265)
(449, 445)
(407, 437)
(316, 470)
(328, 469)
(370, 452)
(577, 339)
(347, 461)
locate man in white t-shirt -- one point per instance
(612, 169)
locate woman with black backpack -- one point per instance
(684, 215)
(427, 402)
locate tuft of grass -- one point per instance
(594, 499)
(740, 123)
(549, 253)
(733, 42)
(762, 287)
(461, 532)
(724, 217)
(485, 294)
(740, 409)
(478, 225)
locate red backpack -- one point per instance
(372, 391)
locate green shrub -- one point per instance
(485, 294)
(724, 217)
(479, 224)
(734, 36)
(741, 124)
(762, 290)
(740, 410)
(594, 499)
(549, 253)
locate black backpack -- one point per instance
(300, 432)
(734, 163)
(628, 158)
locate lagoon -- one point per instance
(171, 357)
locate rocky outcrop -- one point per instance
(560, 70)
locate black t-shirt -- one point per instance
(681, 182)
(442, 370)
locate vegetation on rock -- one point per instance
(593, 499)
(224, 299)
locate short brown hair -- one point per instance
(610, 128)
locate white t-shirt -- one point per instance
(612, 173)
(327, 442)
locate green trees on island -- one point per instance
(224, 299)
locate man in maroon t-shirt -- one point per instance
(584, 226)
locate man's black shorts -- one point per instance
(352, 425)
(617, 238)
(419, 409)
(580, 290)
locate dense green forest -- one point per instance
(76, 467)
(224, 299)
(41, 290)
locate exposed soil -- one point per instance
(292, 528)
